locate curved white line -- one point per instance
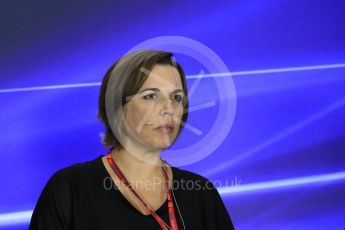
(278, 137)
(290, 182)
(238, 73)
(48, 87)
(15, 218)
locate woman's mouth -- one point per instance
(166, 128)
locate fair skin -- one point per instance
(158, 102)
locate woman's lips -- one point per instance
(166, 128)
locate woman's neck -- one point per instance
(137, 164)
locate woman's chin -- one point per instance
(159, 144)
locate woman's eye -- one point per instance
(150, 96)
(178, 98)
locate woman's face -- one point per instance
(153, 115)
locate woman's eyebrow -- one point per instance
(152, 89)
(157, 90)
(177, 91)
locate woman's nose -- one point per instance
(168, 107)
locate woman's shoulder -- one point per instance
(193, 179)
(76, 172)
(200, 193)
(186, 174)
(58, 197)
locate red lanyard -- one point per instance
(172, 218)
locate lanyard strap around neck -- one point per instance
(172, 217)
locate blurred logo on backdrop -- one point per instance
(205, 142)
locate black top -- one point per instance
(80, 197)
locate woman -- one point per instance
(143, 104)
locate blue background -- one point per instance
(288, 124)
